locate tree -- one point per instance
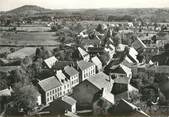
(25, 98)
(99, 28)
(27, 61)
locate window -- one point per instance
(53, 91)
(47, 99)
(50, 98)
(48, 94)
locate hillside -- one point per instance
(27, 10)
(156, 14)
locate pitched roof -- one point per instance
(5, 92)
(138, 44)
(69, 100)
(131, 106)
(70, 71)
(61, 77)
(82, 52)
(108, 96)
(50, 61)
(49, 83)
(121, 80)
(100, 80)
(133, 53)
(96, 61)
(122, 69)
(84, 65)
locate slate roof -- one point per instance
(49, 83)
(122, 69)
(61, 77)
(108, 96)
(131, 107)
(82, 52)
(100, 80)
(70, 71)
(69, 100)
(121, 80)
(84, 65)
(50, 62)
(96, 61)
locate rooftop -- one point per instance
(82, 52)
(108, 96)
(69, 100)
(49, 83)
(96, 60)
(50, 62)
(5, 92)
(100, 80)
(122, 69)
(70, 71)
(84, 65)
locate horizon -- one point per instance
(87, 4)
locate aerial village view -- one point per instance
(84, 62)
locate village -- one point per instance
(85, 69)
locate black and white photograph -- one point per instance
(84, 58)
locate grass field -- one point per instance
(28, 38)
(28, 28)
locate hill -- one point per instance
(27, 10)
(155, 14)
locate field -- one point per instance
(28, 28)
(28, 38)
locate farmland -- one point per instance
(28, 38)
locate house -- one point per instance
(22, 53)
(123, 91)
(128, 109)
(72, 74)
(65, 82)
(149, 52)
(132, 55)
(50, 62)
(97, 62)
(110, 49)
(86, 69)
(120, 71)
(61, 64)
(6, 92)
(103, 102)
(95, 50)
(50, 89)
(83, 54)
(138, 45)
(62, 105)
(85, 91)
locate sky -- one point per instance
(77, 4)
